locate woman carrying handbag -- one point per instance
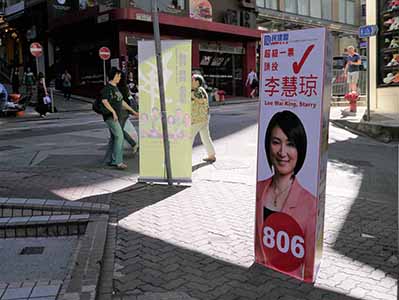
(43, 99)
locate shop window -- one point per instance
(388, 44)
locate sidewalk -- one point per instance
(231, 100)
(384, 127)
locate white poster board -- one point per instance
(293, 96)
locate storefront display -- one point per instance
(388, 43)
(222, 67)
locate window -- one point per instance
(303, 7)
(267, 3)
(315, 8)
(291, 6)
(350, 12)
(347, 11)
(326, 9)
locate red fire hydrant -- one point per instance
(352, 97)
(221, 94)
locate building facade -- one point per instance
(341, 17)
(224, 42)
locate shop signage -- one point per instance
(367, 31)
(104, 53)
(176, 58)
(63, 5)
(292, 151)
(36, 49)
(103, 18)
(201, 9)
(16, 8)
(143, 17)
(219, 48)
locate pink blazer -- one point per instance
(300, 205)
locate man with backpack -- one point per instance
(111, 106)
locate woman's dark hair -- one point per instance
(113, 72)
(293, 128)
(199, 78)
(123, 88)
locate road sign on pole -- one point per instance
(104, 54)
(36, 49)
(367, 31)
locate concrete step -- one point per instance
(22, 207)
(43, 226)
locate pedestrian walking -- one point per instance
(129, 132)
(29, 81)
(113, 102)
(15, 80)
(42, 106)
(252, 82)
(200, 116)
(66, 84)
(352, 69)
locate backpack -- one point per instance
(98, 105)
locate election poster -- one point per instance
(294, 91)
(176, 59)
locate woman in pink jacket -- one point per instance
(285, 146)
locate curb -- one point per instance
(381, 133)
(213, 103)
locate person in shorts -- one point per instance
(352, 69)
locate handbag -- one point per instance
(46, 100)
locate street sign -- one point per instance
(36, 49)
(104, 53)
(367, 31)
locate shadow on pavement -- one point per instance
(369, 226)
(145, 264)
(150, 265)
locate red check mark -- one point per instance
(298, 66)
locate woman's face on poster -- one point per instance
(283, 152)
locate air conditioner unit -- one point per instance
(232, 17)
(248, 3)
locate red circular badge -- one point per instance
(104, 53)
(283, 242)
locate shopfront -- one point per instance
(222, 66)
(384, 56)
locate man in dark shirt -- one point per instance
(352, 68)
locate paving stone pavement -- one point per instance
(197, 243)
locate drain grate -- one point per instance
(32, 251)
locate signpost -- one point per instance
(366, 32)
(104, 54)
(36, 50)
(158, 53)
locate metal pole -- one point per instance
(158, 52)
(105, 75)
(52, 99)
(37, 65)
(368, 79)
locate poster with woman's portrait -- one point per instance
(290, 146)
